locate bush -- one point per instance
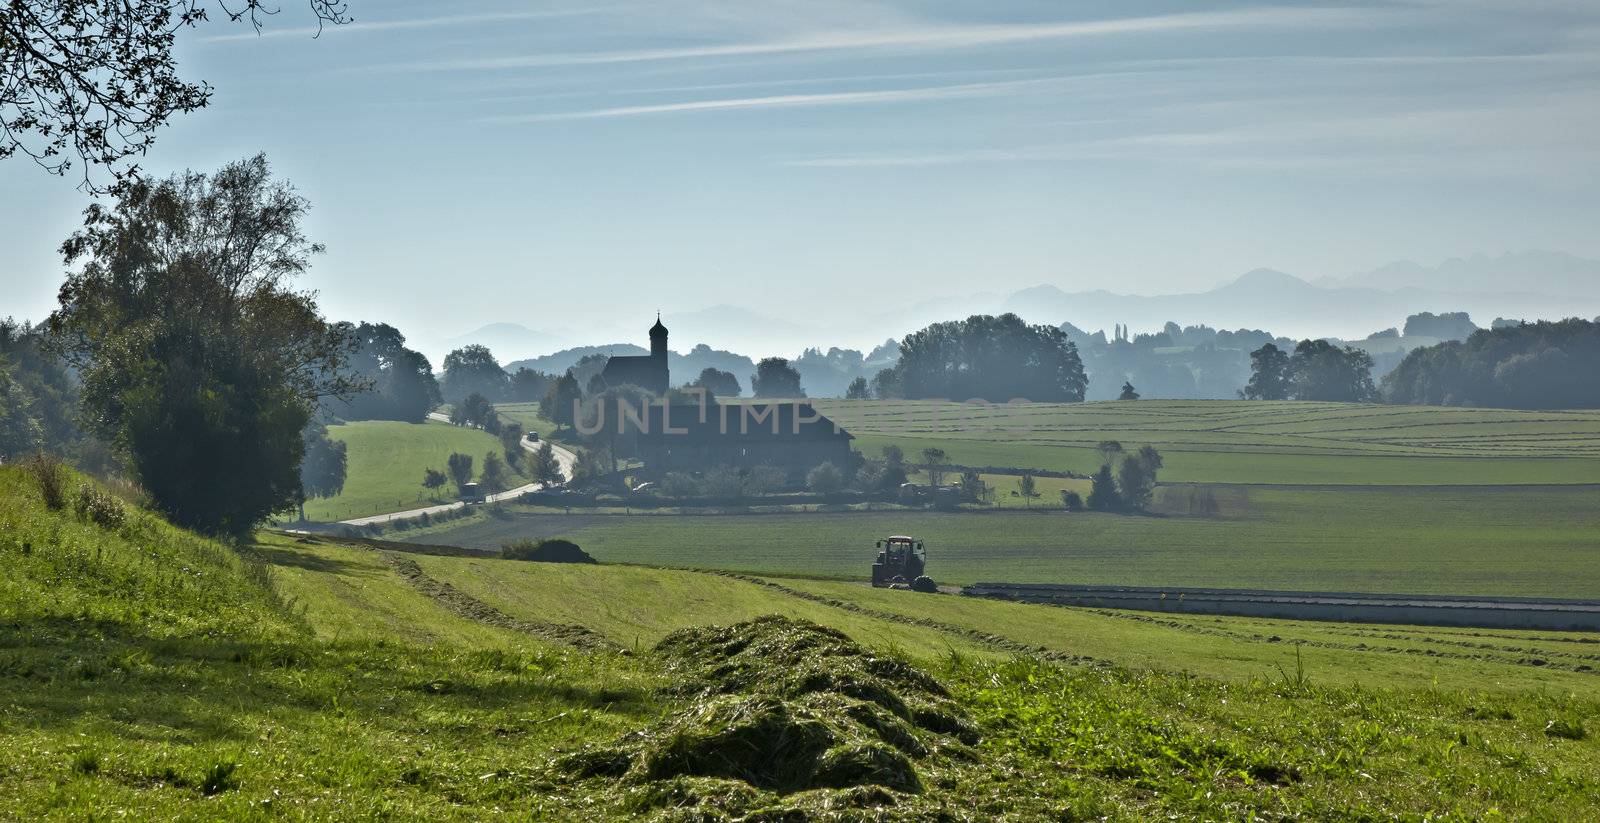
(97, 507)
(51, 477)
(1071, 500)
(554, 550)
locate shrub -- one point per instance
(553, 550)
(825, 479)
(97, 507)
(51, 476)
(1071, 500)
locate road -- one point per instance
(563, 456)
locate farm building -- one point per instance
(787, 434)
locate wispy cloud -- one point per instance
(847, 98)
(360, 26)
(921, 38)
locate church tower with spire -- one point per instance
(658, 340)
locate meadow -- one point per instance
(150, 673)
(1513, 540)
(386, 460)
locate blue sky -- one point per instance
(567, 166)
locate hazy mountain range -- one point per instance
(1529, 285)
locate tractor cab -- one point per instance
(900, 562)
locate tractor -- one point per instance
(900, 563)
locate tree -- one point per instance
(460, 467)
(1128, 392)
(561, 401)
(825, 479)
(432, 479)
(858, 390)
(476, 410)
(990, 358)
(511, 442)
(764, 479)
(494, 475)
(934, 458)
(528, 386)
(198, 361)
(322, 469)
(1136, 477)
(1543, 365)
(1318, 370)
(473, 370)
(545, 467)
(1109, 451)
(1071, 500)
(1103, 495)
(679, 486)
(592, 464)
(886, 384)
(1455, 325)
(774, 377)
(894, 466)
(96, 79)
(973, 487)
(718, 382)
(1027, 487)
(403, 386)
(1269, 374)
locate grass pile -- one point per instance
(785, 718)
(550, 550)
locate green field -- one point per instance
(1520, 540)
(1222, 441)
(152, 674)
(386, 460)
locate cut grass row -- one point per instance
(1527, 541)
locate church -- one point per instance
(647, 371)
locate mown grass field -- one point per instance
(1222, 441)
(1513, 540)
(386, 460)
(151, 674)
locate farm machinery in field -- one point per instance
(900, 564)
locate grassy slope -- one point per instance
(386, 461)
(151, 674)
(1249, 442)
(1515, 540)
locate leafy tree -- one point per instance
(38, 396)
(476, 410)
(1136, 477)
(606, 415)
(679, 486)
(990, 358)
(473, 370)
(597, 384)
(1071, 500)
(545, 467)
(96, 79)
(1027, 486)
(494, 476)
(511, 442)
(1128, 392)
(774, 377)
(1269, 374)
(460, 468)
(20, 433)
(886, 384)
(528, 386)
(722, 482)
(1318, 370)
(197, 359)
(825, 479)
(561, 401)
(322, 469)
(760, 480)
(591, 466)
(1109, 451)
(894, 467)
(403, 386)
(973, 487)
(1544, 365)
(432, 479)
(858, 389)
(718, 382)
(1103, 495)
(934, 458)
(1456, 325)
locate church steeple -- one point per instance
(658, 339)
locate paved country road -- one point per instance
(563, 456)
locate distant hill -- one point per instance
(506, 340)
(1547, 272)
(560, 361)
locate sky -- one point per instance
(575, 167)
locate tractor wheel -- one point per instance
(924, 584)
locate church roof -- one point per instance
(658, 328)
